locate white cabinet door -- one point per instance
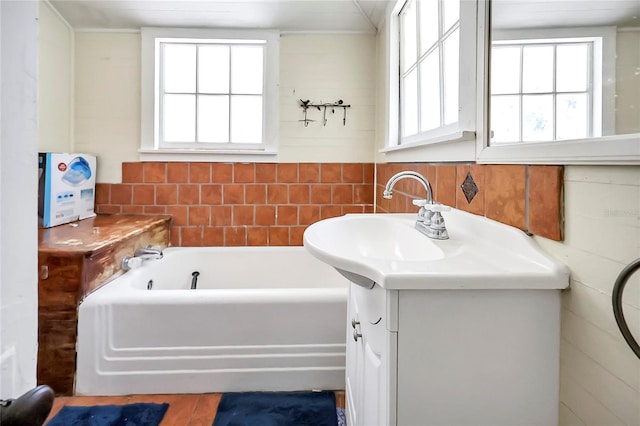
(367, 378)
(373, 399)
(354, 363)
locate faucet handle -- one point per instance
(129, 262)
(422, 212)
(436, 207)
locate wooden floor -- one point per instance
(184, 409)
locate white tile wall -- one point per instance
(600, 375)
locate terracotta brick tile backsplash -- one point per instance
(176, 172)
(526, 197)
(218, 204)
(545, 201)
(154, 172)
(505, 195)
(238, 204)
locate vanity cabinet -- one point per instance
(461, 331)
(452, 357)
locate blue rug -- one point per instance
(141, 414)
(277, 409)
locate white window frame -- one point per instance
(453, 142)
(152, 150)
(420, 58)
(615, 149)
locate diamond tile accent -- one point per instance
(469, 188)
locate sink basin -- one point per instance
(352, 235)
(387, 250)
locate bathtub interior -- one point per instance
(233, 268)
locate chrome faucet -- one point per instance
(388, 189)
(141, 255)
(430, 221)
(148, 253)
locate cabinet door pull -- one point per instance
(354, 322)
(356, 335)
(377, 321)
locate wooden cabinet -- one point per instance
(73, 260)
(452, 357)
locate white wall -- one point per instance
(600, 375)
(18, 195)
(382, 103)
(107, 99)
(325, 68)
(55, 81)
(628, 81)
(322, 68)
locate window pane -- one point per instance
(246, 119)
(179, 118)
(213, 69)
(451, 77)
(451, 13)
(246, 69)
(430, 92)
(428, 24)
(505, 118)
(537, 118)
(572, 68)
(213, 118)
(410, 104)
(571, 112)
(409, 41)
(537, 69)
(179, 68)
(505, 70)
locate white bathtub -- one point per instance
(261, 318)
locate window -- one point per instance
(540, 24)
(209, 92)
(429, 66)
(542, 90)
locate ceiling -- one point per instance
(513, 14)
(326, 15)
(285, 15)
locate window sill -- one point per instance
(450, 137)
(208, 155)
(619, 149)
(456, 146)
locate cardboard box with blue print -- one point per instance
(66, 187)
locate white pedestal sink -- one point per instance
(463, 331)
(479, 254)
